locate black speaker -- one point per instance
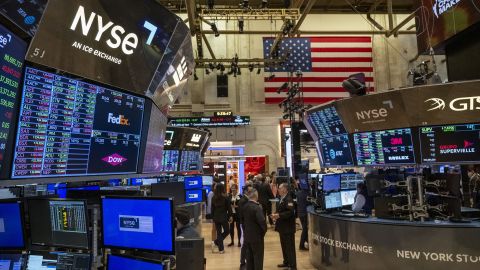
(222, 85)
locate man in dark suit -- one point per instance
(243, 201)
(264, 195)
(285, 225)
(255, 230)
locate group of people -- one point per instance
(249, 212)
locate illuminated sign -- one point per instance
(222, 114)
(458, 105)
(215, 121)
(442, 6)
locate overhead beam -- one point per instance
(369, 15)
(250, 14)
(333, 32)
(305, 12)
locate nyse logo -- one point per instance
(180, 72)
(193, 196)
(375, 113)
(117, 120)
(129, 223)
(196, 138)
(442, 6)
(458, 105)
(114, 159)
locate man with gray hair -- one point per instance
(255, 229)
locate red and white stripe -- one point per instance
(334, 58)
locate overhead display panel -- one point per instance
(325, 122)
(152, 160)
(72, 128)
(450, 144)
(117, 42)
(12, 53)
(381, 111)
(389, 147)
(336, 151)
(439, 20)
(25, 14)
(185, 139)
(215, 121)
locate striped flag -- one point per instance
(325, 62)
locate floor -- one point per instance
(231, 258)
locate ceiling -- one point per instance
(321, 6)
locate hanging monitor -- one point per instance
(336, 151)
(139, 223)
(450, 144)
(387, 147)
(68, 127)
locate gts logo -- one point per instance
(120, 120)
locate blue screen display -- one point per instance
(331, 182)
(11, 227)
(194, 195)
(207, 189)
(124, 263)
(12, 262)
(138, 224)
(193, 182)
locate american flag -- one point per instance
(325, 62)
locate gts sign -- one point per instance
(375, 113)
(118, 36)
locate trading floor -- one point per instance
(273, 253)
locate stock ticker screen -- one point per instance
(12, 53)
(190, 161)
(170, 159)
(454, 143)
(326, 123)
(69, 127)
(385, 147)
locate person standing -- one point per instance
(264, 196)
(184, 228)
(209, 215)
(255, 230)
(234, 197)
(302, 203)
(285, 225)
(241, 203)
(221, 215)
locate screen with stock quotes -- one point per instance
(69, 127)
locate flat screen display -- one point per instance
(207, 180)
(116, 262)
(326, 122)
(194, 195)
(12, 53)
(152, 161)
(119, 43)
(138, 223)
(179, 138)
(26, 14)
(12, 261)
(11, 226)
(388, 147)
(450, 144)
(350, 180)
(214, 121)
(348, 197)
(170, 160)
(336, 151)
(190, 161)
(193, 182)
(61, 223)
(69, 127)
(333, 200)
(58, 260)
(331, 182)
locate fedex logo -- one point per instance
(118, 120)
(114, 159)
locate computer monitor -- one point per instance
(190, 254)
(193, 195)
(193, 182)
(175, 190)
(333, 200)
(331, 182)
(139, 223)
(12, 261)
(348, 197)
(117, 262)
(207, 180)
(38, 260)
(57, 222)
(11, 226)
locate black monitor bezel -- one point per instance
(141, 259)
(172, 208)
(87, 221)
(22, 222)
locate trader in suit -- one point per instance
(243, 201)
(285, 225)
(255, 230)
(265, 194)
